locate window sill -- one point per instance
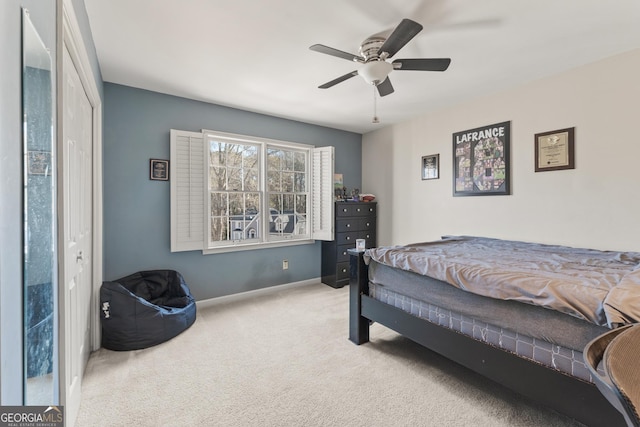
(255, 246)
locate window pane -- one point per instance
(288, 203)
(301, 225)
(274, 181)
(252, 203)
(218, 204)
(301, 204)
(299, 162)
(219, 229)
(275, 203)
(250, 157)
(218, 178)
(287, 182)
(288, 161)
(287, 175)
(234, 156)
(235, 179)
(273, 159)
(299, 184)
(236, 204)
(216, 153)
(247, 226)
(245, 229)
(251, 180)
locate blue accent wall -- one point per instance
(137, 210)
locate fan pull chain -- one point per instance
(375, 107)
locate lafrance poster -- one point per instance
(481, 161)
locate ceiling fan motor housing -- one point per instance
(375, 68)
(370, 48)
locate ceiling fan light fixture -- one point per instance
(375, 72)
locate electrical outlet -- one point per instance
(285, 264)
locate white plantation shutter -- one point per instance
(187, 190)
(322, 193)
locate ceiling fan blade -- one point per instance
(385, 88)
(335, 52)
(403, 33)
(338, 80)
(422, 64)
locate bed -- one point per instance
(519, 313)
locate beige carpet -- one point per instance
(284, 359)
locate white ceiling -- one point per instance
(254, 54)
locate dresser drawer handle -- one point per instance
(348, 238)
(344, 209)
(344, 270)
(348, 225)
(368, 224)
(358, 209)
(344, 253)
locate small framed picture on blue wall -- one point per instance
(159, 170)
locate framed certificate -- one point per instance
(555, 150)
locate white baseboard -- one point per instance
(257, 292)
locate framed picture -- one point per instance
(481, 161)
(338, 184)
(555, 150)
(431, 166)
(159, 170)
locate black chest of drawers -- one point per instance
(353, 220)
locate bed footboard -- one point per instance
(571, 396)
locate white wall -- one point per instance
(596, 205)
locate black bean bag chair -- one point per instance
(145, 309)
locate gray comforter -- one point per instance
(602, 287)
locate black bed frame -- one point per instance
(569, 395)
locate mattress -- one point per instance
(542, 335)
(602, 287)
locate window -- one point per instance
(232, 192)
(287, 192)
(235, 199)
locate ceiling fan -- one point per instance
(374, 53)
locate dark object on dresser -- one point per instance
(145, 309)
(353, 220)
